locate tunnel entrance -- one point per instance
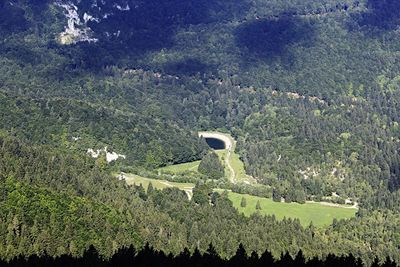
(215, 143)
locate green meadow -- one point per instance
(183, 167)
(321, 215)
(159, 184)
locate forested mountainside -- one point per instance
(310, 89)
(59, 203)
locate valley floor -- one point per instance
(235, 172)
(319, 213)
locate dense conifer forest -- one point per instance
(309, 89)
(150, 257)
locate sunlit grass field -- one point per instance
(320, 215)
(179, 168)
(235, 162)
(159, 184)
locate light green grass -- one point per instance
(183, 167)
(159, 184)
(191, 166)
(235, 162)
(320, 215)
(238, 166)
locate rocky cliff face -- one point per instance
(135, 23)
(80, 14)
(140, 25)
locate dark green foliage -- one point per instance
(211, 166)
(57, 122)
(258, 190)
(148, 256)
(58, 223)
(88, 199)
(309, 89)
(258, 205)
(295, 195)
(243, 202)
(270, 38)
(14, 20)
(202, 193)
(383, 14)
(276, 196)
(150, 189)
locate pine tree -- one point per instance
(243, 202)
(276, 196)
(201, 193)
(211, 166)
(258, 205)
(150, 189)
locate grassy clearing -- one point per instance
(183, 167)
(159, 184)
(191, 166)
(234, 161)
(240, 173)
(319, 214)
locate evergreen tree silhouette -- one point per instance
(300, 260)
(253, 260)
(332, 261)
(183, 259)
(160, 259)
(389, 263)
(240, 258)
(286, 260)
(375, 263)
(196, 259)
(91, 258)
(123, 257)
(211, 257)
(314, 262)
(65, 261)
(267, 259)
(147, 257)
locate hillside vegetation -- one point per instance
(309, 89)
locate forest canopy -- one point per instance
(310, 90)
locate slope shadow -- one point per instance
(144, 26)
(382, 15)
(269, 39)
(14, 21)
(188, 67)
(21, 53)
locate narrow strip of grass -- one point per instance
(320, 215)
(183, 167)
(159, 184)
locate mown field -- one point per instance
(183, 167)
(319, 214)
(159, 184)
(192, 166)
